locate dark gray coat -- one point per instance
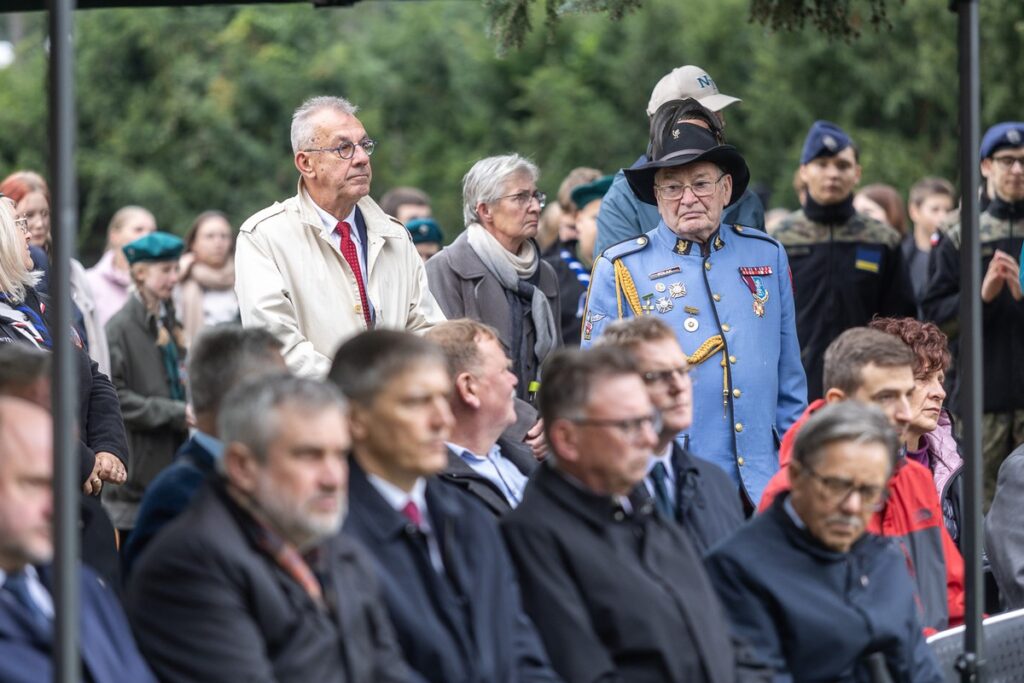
(207, 604)
(1004, 534)
(464, 288)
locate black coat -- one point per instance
(461, 475)
(465, 627)
(207, 604)
(615, 597)
(100, 429)
(707, 504)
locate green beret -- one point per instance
(424, 230)
(584, 194)
(156, 246)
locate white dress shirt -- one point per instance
(398, 499)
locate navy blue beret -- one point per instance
(825, 139)
(1005, 134)
(424, 230)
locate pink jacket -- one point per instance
(109, 287)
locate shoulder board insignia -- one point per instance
(630, 246)
(756, 234)
(260, 216)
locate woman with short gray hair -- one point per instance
(493, 272)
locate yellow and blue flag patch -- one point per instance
(869, 259)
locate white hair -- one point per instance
(303, 129)
(15, 278)
(485, 182)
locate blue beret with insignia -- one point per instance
(424, 230)
(1005, 134)
(156, 246)
(584, 194)
(824, 139)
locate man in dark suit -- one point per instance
(108, 650)
(617, 592)
(448, 582)
(694, 492)
(480, 460)
(253, 582)
(222, 357)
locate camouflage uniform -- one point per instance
(843, 275)
(1001, 227)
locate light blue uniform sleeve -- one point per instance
(602, 307)
(792, 379)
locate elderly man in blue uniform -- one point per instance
(723, 289)
(623, 214)
(846, 267)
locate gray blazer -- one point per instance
(1004, 534)
(464, 288)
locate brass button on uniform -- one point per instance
(732, 359)
(737, 393)
(725, 327)
(716, 297)
(739, 427)
(739, 461)
(707, 265)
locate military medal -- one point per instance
(647, 306)
(588, 326)
(676, 290)
(660, 287)
(691, 324)
(664, 304)
(664, 273)
(753, 279)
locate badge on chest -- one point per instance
(753, 278)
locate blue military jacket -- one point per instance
(751, 387)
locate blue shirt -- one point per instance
(497, 469)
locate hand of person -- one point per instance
(536, 441)
(190, 417)
(994, 279)
(108, 467)
(1011, 274)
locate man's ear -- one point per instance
(240, 466)
(727, 182)
(357, 422)
(465, 387)
(834, 395)
(304, 164)
(986, 167)
(562, 437)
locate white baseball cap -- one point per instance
(688, 81)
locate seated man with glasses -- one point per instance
(815, 595)
(873, 367)
(328, 263)
(694, 492)
(725, 292)
(617, 591)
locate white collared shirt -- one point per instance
(497, 469)
(398, 499)
(328, 223)
(36, 590)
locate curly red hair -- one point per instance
(929, 344)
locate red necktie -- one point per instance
(412, 513)
(348, 250)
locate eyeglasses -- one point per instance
(666, 376)
(1007, 162)
(523, 198)
(632, 428)
(675, 191)
(22, 224)
(346, 149)
(838, 490)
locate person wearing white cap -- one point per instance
(623, 215)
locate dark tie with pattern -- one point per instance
(349, 251)
(659, 477)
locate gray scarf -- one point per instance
(511, 270)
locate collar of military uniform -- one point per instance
(1006, 211)
(829, 214)
(715, 242)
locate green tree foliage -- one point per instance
(182, 110)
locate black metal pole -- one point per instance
(971, 664)
(66, 663)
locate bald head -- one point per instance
(26, 478)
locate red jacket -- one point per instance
(912, 517)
